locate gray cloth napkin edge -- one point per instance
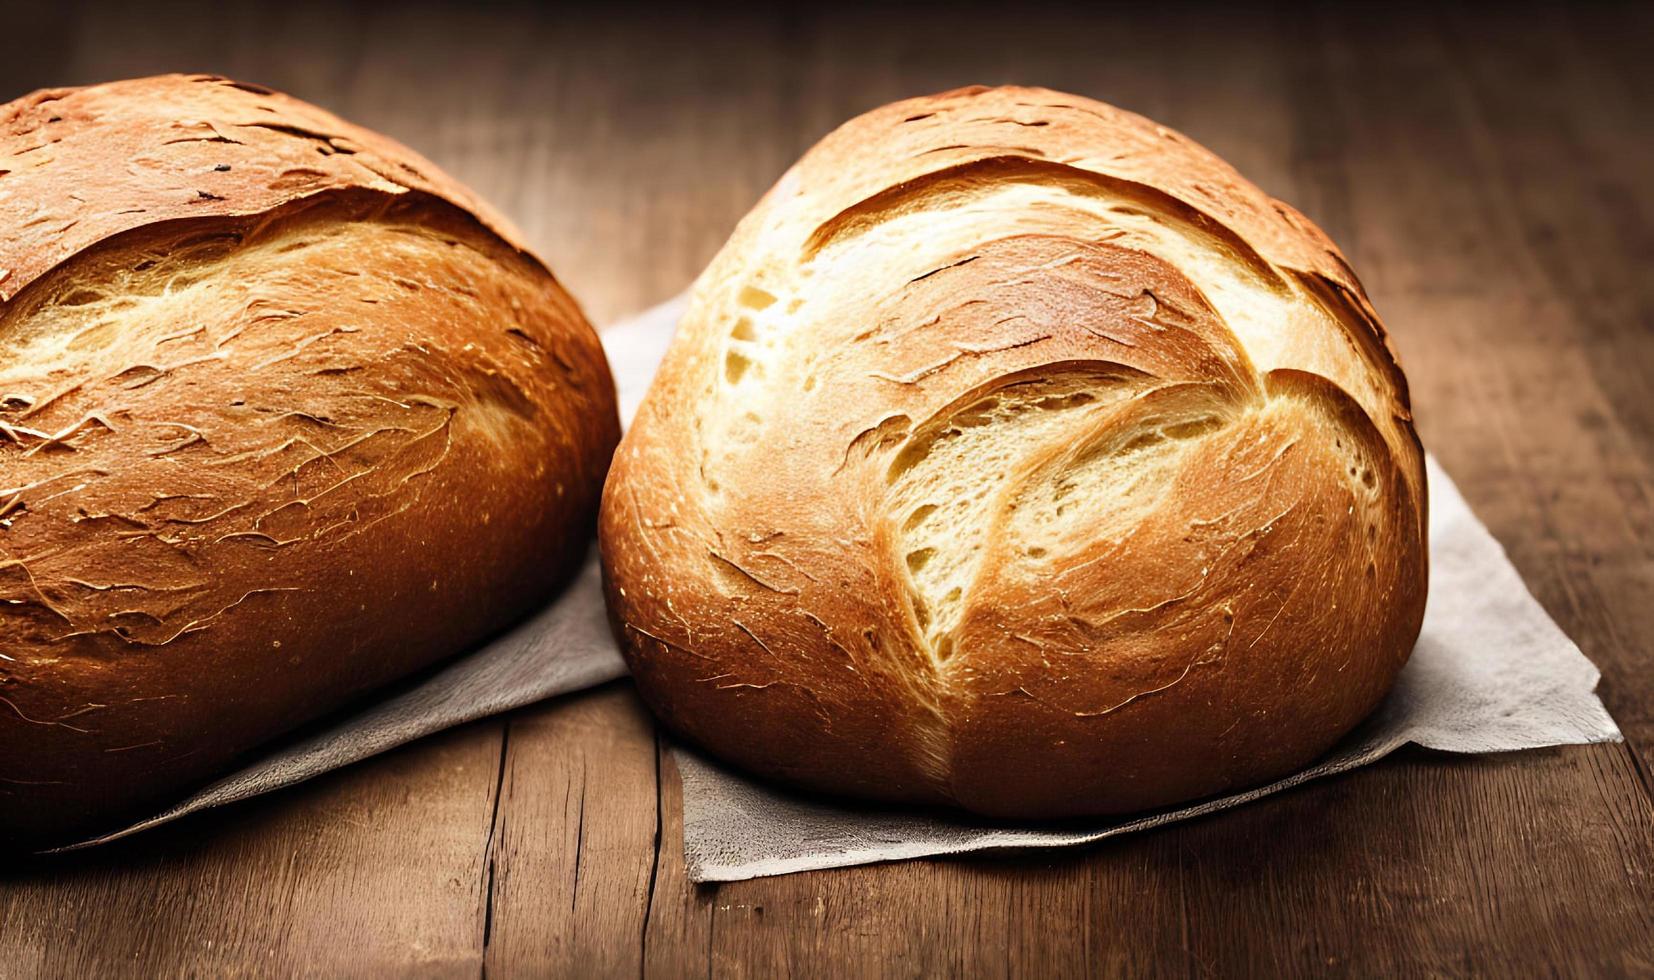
(1038, 838)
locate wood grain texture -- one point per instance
(572, 853)
(1486, 172)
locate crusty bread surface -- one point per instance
(286, 414)
(1018, 454)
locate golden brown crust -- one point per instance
(264, 456)
(80, 165)
(1017, 453)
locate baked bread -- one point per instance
(285, 414)
(1016, 453)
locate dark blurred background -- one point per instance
(627, 139)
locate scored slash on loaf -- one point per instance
(1017, 454)
(285, 414)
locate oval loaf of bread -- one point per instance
(285, 414)
(1016, 453)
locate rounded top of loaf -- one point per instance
(80, 165)
(1017, 452)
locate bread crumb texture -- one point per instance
(284, 414)
(1017, 453)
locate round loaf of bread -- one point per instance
(285, 414)
(1016, 453)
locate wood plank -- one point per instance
(573, 844)
(370, 870)
(678, 937)
(1114, 910)
(1587, 254)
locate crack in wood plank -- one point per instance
(579, 840)
(654, 866)
(489, 845)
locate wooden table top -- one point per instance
(1488, 174)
